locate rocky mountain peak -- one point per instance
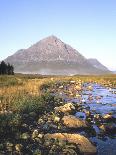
(51, 56)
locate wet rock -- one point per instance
(83, 101)
(108, 128)
(98, 97)
(79, 96)
(98, 119)
(84, 144)
(87, 112)
(102, 127)
(108, 117)
(90, 97)
(90, 88)
(67, 108)
(81, 115)
(73, 122)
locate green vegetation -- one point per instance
(6, 69)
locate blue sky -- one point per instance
(87, 25)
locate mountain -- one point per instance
(52, 56)
(97, 64)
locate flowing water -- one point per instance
(100, 101)
(104, 104)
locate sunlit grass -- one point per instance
(19, 88)
(26, 98)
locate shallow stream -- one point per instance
(99, 100)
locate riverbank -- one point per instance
(54, 117)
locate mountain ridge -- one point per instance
(51, 56)
(97, 64)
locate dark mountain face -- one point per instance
(52, 56)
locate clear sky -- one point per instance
(87, 25)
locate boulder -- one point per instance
(25, 136)
(84, 144)
(90, 88)
(78, 87)
(67, 108)
(108, 117)
(18, 147)
(71, 121)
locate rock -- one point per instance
(9, 146)
(78, 87)
(84, 144)
(73, 122)
(81, 115)
(87, 112)
(90, 97)
(37, 152)
(102, 127)
(25, 136)
(90, 88)
(38, 138)
(67, 108)
(40, 121)
(61, 87)
(83, 101)
(78, 96)
(108, 117)
(35, 134)
(18, 147)
(98, 97)
(97, 119)
(72, 82)
(108, 128)
(69, 151)
(40, 135)
(56, 119)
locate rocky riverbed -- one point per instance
(82, 122)
(90, 110)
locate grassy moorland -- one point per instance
(27, 105)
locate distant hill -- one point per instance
(52, 56)
(97, 64)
